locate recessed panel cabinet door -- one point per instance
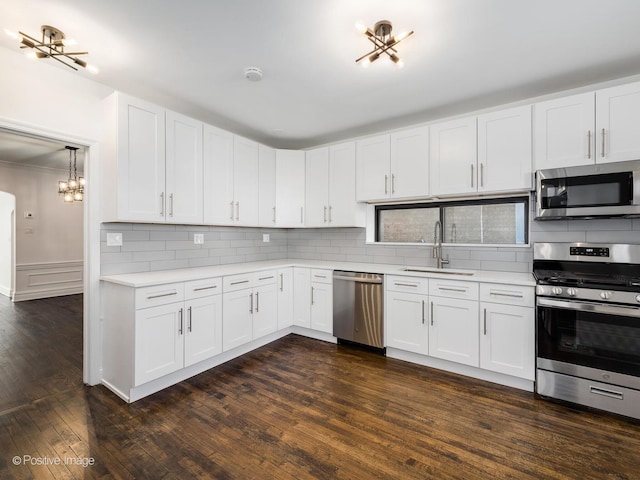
(302, 297)
(290, 186)
(453, 156)
(237, 318)
(410, 163)
(265, 310)
(408, 322)
(618, 123)
(373, 163)
(344, 211)
(453, 330)
(203, 329)
(322, 307)
(285, 297)
(159, 342)
(317, 187)
(218, 176)
(245, 181)
(266, 186)
(184, 169)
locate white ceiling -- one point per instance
(190, 55)
(37, 152)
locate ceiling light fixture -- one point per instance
(52, 45)
(383, 41)
(72, 189)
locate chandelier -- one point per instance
(383, 42)
(52, 45)
(72, 190)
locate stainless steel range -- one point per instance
(588, 324)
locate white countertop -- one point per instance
(146, 279)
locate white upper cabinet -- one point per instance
(393, 165)
(184, 202)
(453, 156)
(618, 123)
(564, 132)
(266, 186)
(410, 163)
(331, 187)
(504, 150)
(290, 185)
(245, 181)
(218, 176)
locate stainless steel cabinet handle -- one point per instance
(180, 312)
(274, 214)
(251, 303)
(431, 313)
(472, 175)
(171, 205)
(239, 282)
(162, 204)
(160, 295)
(312, 295)
(393, 183)
(190, 322)
(485, 321)
(602, 152)
(325, 214)
(282, 282)
(415, 285)
(330, 216)
(265, 278)
(231, 217)
(301, 214)
(589, 144)
(257, 302)
(447, 289)
(204, 288)
(423, 312)
(237, 210)
(510, 295)
(386, 181)
(482, 174)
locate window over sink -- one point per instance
(496, 221)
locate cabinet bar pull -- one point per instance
(311, 295)
(415, 285)
(482, 174)
(171, 205)
(265, 278)
(325, 214)
(589, 144)
(199, 289)
(602, 152)
(237, 210)
(231, 217)
(257, 302)
(423, 312)
(447, 289)
(181, 311)
(393, 183)
(282, 282)
(330, 216)
(431, 313)
(189, 324)
(251, 303)
(320, 276)
(160, 295)
(301, 214)
(501, 294)
(274, 214)
(239, 282)
(162, 204)
(472, 175)
(386, 181)
(485, 321)
(606, 393)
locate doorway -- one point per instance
(7, 244)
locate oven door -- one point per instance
(589, 339)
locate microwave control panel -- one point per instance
(589, 251)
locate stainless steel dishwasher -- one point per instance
(357, 308)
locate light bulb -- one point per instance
(402, 36)
(72, 183)
(93, 69)
(361, 27)
(31, 55)
(365, 63)
(77, 196)
(62, 186)
(68, 198)
(68, 42)
(81, 181)
(12, 34)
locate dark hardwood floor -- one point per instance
(297, 408)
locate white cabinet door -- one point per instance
(408, 322)
(141, 160)
(317, 187)
(453, 156)
(322, 307)
(302, 297)
(563, 132)
(184, 168)
(245, 181)
(285, 298)
(290, 181)
(507, 339)
(203, 329)
(410, 163)
(618, 123)
(344, 211)
(218, 176)
(504, 150)
(266, 186)
(159, 344)
(454, 330)
(373, 159)
(237, 320)
(265, 310)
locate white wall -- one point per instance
(7, 207)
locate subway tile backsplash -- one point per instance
(160, 247)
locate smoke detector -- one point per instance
(253, 74)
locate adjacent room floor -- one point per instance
(297, 408)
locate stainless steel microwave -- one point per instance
(598, 190)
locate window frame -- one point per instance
(441, 204)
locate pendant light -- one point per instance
(72, 189)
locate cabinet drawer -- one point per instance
(232, 283)
(407, 284)
(159, 295)
(321, 276)
(202, 288)
(507, 294)
(454, 289)
(265, 278)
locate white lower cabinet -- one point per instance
(313, 299)
(285, 297)
(322, 304)
(407, 314)
(237, 318)
(453, 330)
(301, 297)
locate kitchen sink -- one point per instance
(449, 271)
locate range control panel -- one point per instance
(589, 251)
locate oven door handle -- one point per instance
(595, 307)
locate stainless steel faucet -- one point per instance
(437, 245)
